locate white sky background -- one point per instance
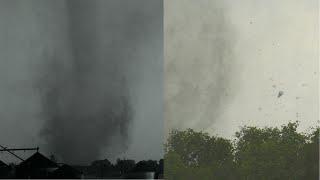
(277, 49)
(274, 46)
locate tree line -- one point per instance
(106, 169)
(270, 153)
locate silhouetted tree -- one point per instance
(146, 166)
(160, 167)
(125, 166)
(53, 158)
(100, 167)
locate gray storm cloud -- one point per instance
(199, 63)
(86, 97)
(87, 103)
(226, 61)
(72, 75)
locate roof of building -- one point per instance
(37, 160)
(2, 164)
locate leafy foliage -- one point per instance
(192, 154)
(256, 153)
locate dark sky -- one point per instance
(66, 65)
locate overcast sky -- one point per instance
(256, 48)
(49, 39)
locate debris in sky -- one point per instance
(280, 93)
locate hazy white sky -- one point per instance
(270, 46)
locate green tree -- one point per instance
(197, 155)
(256, 153)
(174, 168)
(311, 156)
(269, 153)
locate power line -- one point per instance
(9, 150)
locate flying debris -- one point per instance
(280, 94)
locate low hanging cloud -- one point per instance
(86, 98)
(199, 63)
